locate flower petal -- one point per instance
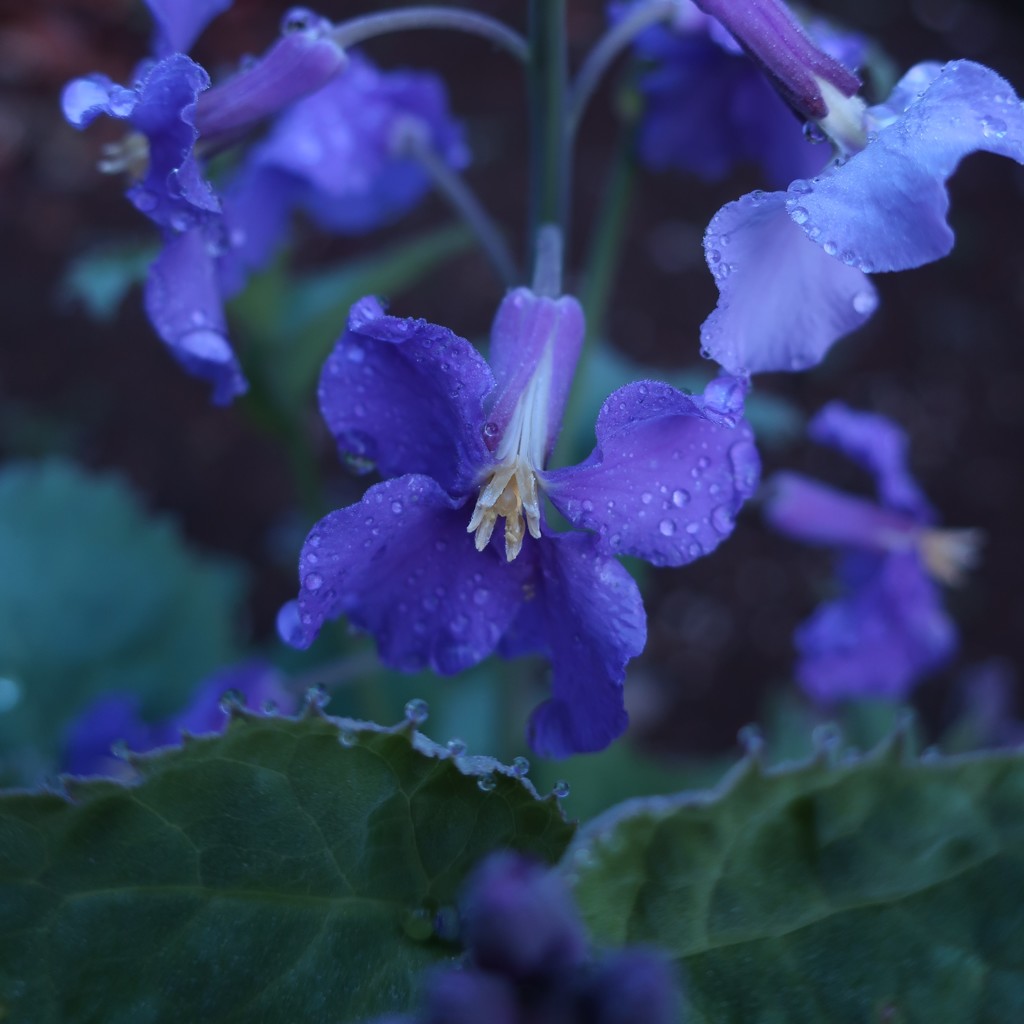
(783, 300)
(407, 396)
(254, 681)
(587, 616)
(183, 301)
(880, 446)
(111, 719)
(809, 511)
(667, 477)
(401, 565)
(885, 208)
(179, 22)
(879, 639)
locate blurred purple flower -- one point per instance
(527, 960)
(664, 483)
(739, 117)
(117, 718)
(791, 267)
(888, 629)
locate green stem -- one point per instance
(547, 73)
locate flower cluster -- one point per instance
(527, 960)
(420, 563)
(888, 629)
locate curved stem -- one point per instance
(614, 41)
(461, 198)
(356, 30)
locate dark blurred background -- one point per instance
(943, 355)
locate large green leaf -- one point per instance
(96, 596)
(287, 870)
(882, 889)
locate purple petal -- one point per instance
(783, 300)
(183, 301)
(408, 396)
(667, 477)
(401, 565)
(586, 614)
(255, 682)
(84, 99)
(173, 192)
(886, 206)
(809, 511)
(878, 640)
(111, 719)
(179, 22)
(534, 337)
(295, 66)
(339, 144)
(880, 446)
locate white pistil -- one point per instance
(844, 122)
(129, 156)
(949, 554)
(511, 489)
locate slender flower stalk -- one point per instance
(369, 26)
(601, 57)
(450, 184)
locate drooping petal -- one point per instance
(407, 396)
(534, 337)
(881, 447)
(667, 476)
(401, 565)
(885, 208)
(813, 512)
(295, 66)
(339, 145)
(586, 614)
(783, 300)
(881, 637)
(183, 302)
(180, 22)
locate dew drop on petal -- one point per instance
(396, 507)
(231, 700)
(456, 747)
(830, 248)
(317, 696)
(865, 302)
(417, 711)
(313, 581)
(666, 527)
(561, 789)
(646, 497)
(269, 707)
(993, 127)
(520, 767)
(799, 215)
(680, 498)
(722, 520)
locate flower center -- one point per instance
(844, 122)
(949, 554)
(129, 156)
(510, 490)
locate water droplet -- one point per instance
(800, 186)
(289, 625)
(485, 783)
(231, 700)
(347, 738)
(865, 302)
(121, 101)
(355, 353)
(993, 127)
(587, 505)
(746, 466)
(417, 711)
(561, 789)
(722, 520)
(490, 430)
(830, 248)
(520, 766)
(120, 750)
(680, 498)
(145, 202)
(418, 924)
(799, 215)
(646, 497)
(317, 696)
(314, 581)
(299, 19)
(396, 507)
(456, 747)
(750, 739)
(269, 707)
(813, 132)
(666, 527)
(849, 257)
(714, 256)
(480, 596)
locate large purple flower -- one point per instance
(117, 718)
(420, 563)
(888, 629)
(792, 266)
(708, 107)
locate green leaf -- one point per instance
(294, 324)
(287, 870)
(881, 889)
(101, 278)
(96, 596)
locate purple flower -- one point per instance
(738, 116)
(888, 629)
(527, 960)
(462, 446)
(117, 718)
(791, 267)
